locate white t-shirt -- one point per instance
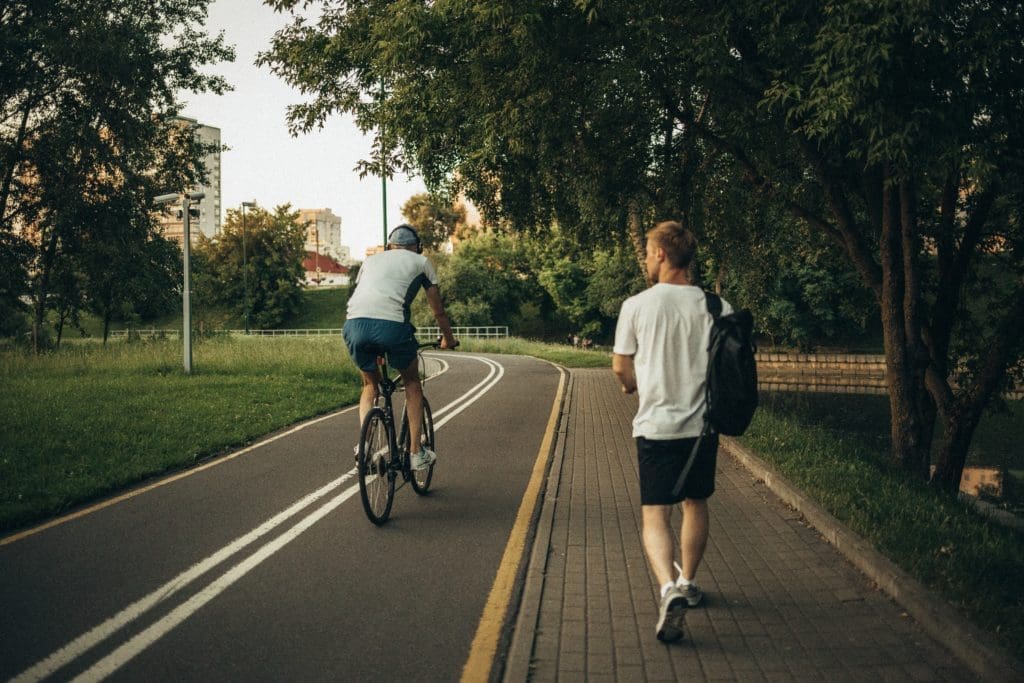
(666, 329)
(387, 284)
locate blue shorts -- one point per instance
(366, 337)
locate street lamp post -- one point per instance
(245, 263)
(186, 247)
(383, 176)
(186, 305)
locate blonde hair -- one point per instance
(679, 243)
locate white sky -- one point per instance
(264, 162)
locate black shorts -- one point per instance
(661, 463)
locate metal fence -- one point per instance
(290, 333)
(464, 332)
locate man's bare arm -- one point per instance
(437, 308)
(623, 368)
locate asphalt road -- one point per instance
(263, 566)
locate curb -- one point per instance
(520, 652)
(967, 642)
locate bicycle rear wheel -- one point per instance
(420, 478)
(376, 478)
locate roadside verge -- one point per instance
(967, 642)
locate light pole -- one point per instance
(186, 305)
(383, 174)
(186, 247)
(245, 263)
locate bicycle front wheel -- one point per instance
(376, 479)
(420, 478)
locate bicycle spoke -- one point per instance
(376, 486)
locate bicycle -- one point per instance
(382, 457)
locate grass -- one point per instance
(321, 309)
(90, 420)
(556, 353)
(831, 448)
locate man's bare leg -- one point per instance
(413, 403)
(368, 394)
(659, 540)
(693, 535)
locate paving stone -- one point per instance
(780, 603)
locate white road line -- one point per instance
(500, 373)
(90, 639)
(493, 368)
(140, 642)
(122, 655)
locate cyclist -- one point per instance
(378, 317)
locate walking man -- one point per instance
(378, 318)
(661, 343)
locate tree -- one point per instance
(488, 280)
(87, 96)
(14, 255)
(274, 247)
(531, 112)
(434, 219)
(891, 128)
(903, 120)
(130, 272)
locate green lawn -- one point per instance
(322, 309)
(90, 419)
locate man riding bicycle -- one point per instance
(378, 318)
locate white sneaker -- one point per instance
(690, 591)
(671, 616)
(422, 460)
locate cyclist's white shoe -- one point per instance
(422, 460)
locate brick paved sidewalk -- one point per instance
(780, 604)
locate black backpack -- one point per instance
(732, 377)
(732, 370)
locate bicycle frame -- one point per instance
(376, 471)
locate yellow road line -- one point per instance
(485, 643)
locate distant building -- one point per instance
(323, 234)
(375, 249)
(208, 222)
(324, 271)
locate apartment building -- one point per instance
(323, 235)
(208, 223)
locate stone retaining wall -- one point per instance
(838, 373)
(825, 372)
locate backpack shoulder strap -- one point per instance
(714, 304)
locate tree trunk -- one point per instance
(12, 165)
(908, 447)
(637, 235)
(957, 433)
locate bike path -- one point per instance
(264, 566)
(780, 602)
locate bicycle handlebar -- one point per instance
(436, 344)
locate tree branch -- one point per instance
(837, 202)
(999, 357)
(953, 266)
